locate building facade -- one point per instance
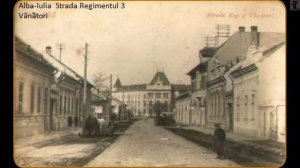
(259, 93)
(231, 52)
(183, 112)
(33, 78)
(47, 93)
(198, 77)
(140, 99)
(67, 92)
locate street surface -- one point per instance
(145, 144)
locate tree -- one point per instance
(99, 82)
(158, 107)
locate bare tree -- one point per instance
(99, 80)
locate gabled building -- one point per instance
(67, 95)
(33, 77)
(231, 52)
(48, 93)
(259, 91)
(140, 98)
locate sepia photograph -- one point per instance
(149, 83)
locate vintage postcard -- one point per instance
(149, 83)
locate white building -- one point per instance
(260, 92)
(140, 98)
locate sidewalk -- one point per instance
(262, 144)
(53, 135)
(229, 135)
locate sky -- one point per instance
(145, 37)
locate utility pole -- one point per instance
(60, 46)
(84, 85)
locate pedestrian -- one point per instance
(220, 136)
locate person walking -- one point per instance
(220, 136)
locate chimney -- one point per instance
(48, 50)
(241, 29)
(254, 36)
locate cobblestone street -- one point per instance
(145, 144)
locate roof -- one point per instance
(202, 67)
(117, 83)
(160, 76)
(230, 50)
(64, 69)
(208, 51)
(134, 87)
(183, 96)
(30, 52)
(180, 87)
(241, 71)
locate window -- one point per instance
(60, 104)
(46, 101)
(145, 96)
(68, 105)
(246, 107)
(21, 95)
(39, 100)
(150, 95)
(238, 108)
(157, 95)
(203, 82)
(150, 103)
(72, 112)
(252, 106)
(65, 105)
(218, 106)
(194, 86)
(32, 98)
(166, 95)
(145, 103)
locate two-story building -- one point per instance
(198, 77)
(259, 91)
(140, 98)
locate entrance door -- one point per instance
(52, 111)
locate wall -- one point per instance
(183, 114)
(27, 122)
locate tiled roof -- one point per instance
(63, 68)
(180, 87)
(237, 45)
(20, 45)
(160, 76)
(202, 67)
(208, 51)
(134, 87)
(183, 96)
